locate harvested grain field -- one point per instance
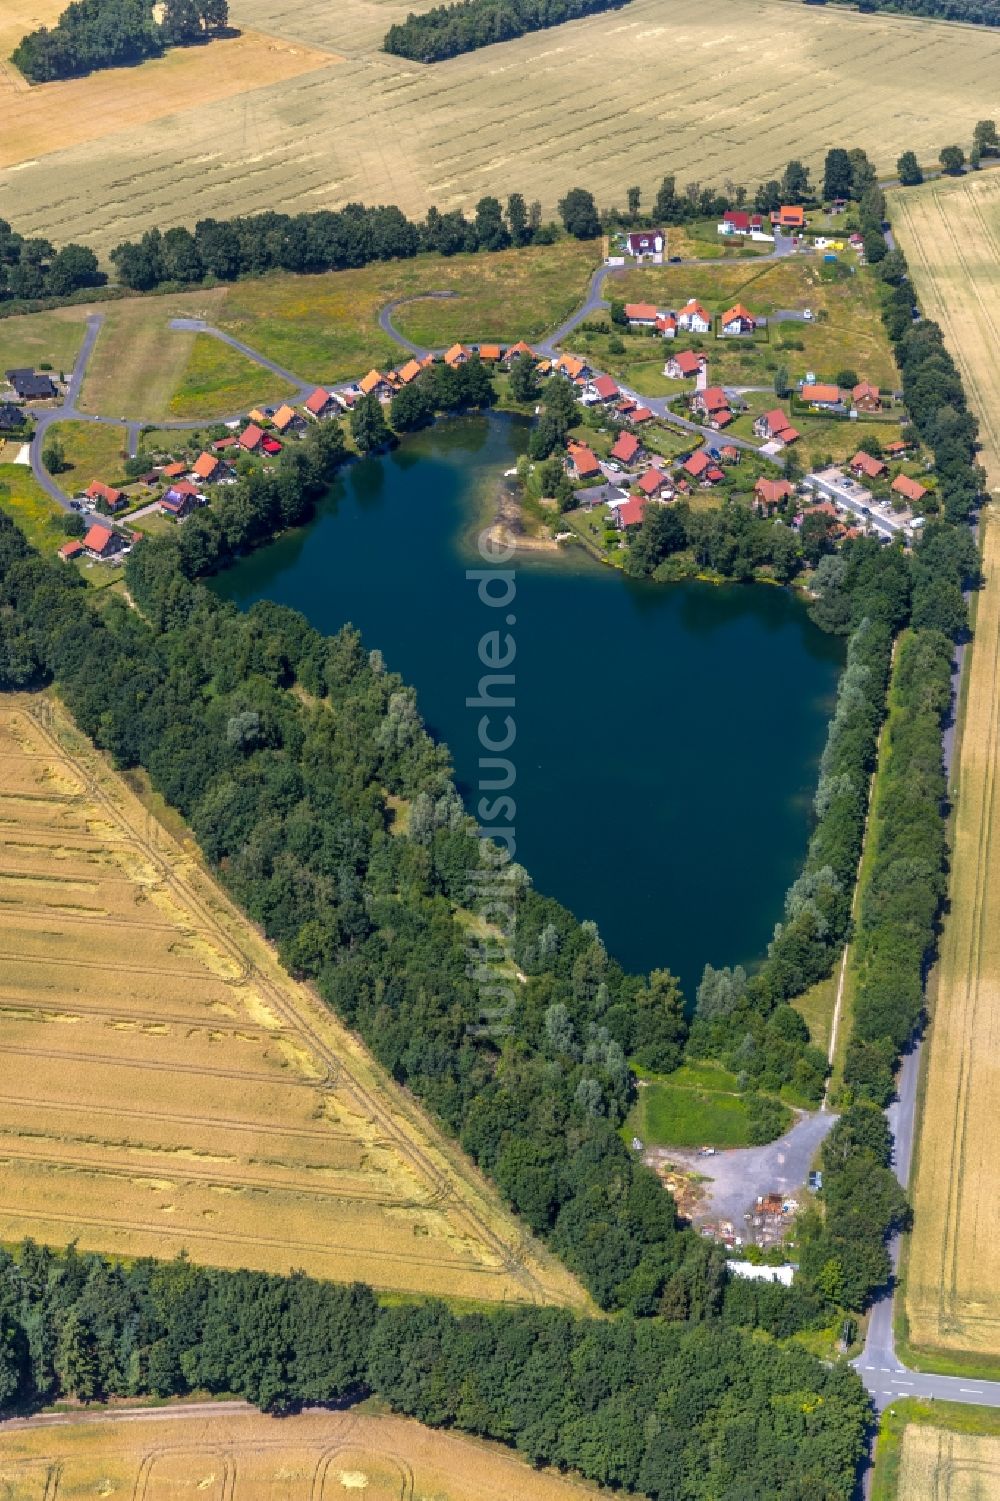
(951, 236)
(537, 114)
(244, 1456)
(936, 1465)
(165, 1085)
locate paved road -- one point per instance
(64, 413)
(387, 326)
(740, 1174)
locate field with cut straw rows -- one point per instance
(620, 98)
(936, 1465)
(951, 236)
(165, 1455)
(165, 1085)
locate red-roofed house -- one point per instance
(220, 446)
(177, 503)
(693, 318)
(571, 366)
(684, 365)
(864, 466)
(739, 222)
(177, 470)
(604, 388)
(822, 397)
(409, 372)
(654, 484)
(768, 495)
(641, 314)
(789, 216)
(713, 405)
(701, 467)
(517, 350)
(641, 415)
(866, 397)
(490, 353)
(207, 468)
(666, 326)
(251, 438)
(910, 489)
(320, 403)
(626, 449)
(630, 512)
(456, 355)
(737, 320)
(108, 498)
(730, 454)
(286, 420)
(774, 426)
(102, 542)
(70, 550)
(375, 384)
(583, 462)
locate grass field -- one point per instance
(951, 236)
(939, 1451)
(218, 381)
(250, 1457)
(696, 1106)
(165, 1085)
(42, 339)
(139, 361)
(93, 451)
(248, 125)
(25, 500)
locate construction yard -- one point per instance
(304, 111)
(166, 1086)
(245, 1456)
(951, 236)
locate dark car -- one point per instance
(674, 260)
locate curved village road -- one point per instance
(385, 323)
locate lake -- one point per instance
(667, 736)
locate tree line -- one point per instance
(685, 1412)
(33, 268)
(447, 30)
(93, 34)
(974, 12)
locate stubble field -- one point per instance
(936, 1465)
(665, 85)
(245, 1456)
(165, 1085)
(951, 236)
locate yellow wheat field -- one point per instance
(936, 1465)
(165, 1085)
(951, 236)
(713, 94)
(240, 1455)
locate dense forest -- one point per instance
(684, 1413)
(448, 30)
(92, 34)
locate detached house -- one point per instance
(457, 355)
(866, 397)
(823, 398)
(737, 320)
(101, 542)
(375, 384)
(774, 426)
(641, 314)
(285, 420)
(769, 494)
(712, 404)
(320, 404)
(516, 351)
(702, 468)
(30, 386)
(655, 484)
(107, 497)
(789, 216)
(685, 365)
(603, 389)
(573, 368)
(864, 466)
(207, 468)
(693, 318)
(910, 489)
(251, 438)
(666, 326)
(627, 448)
(739, 222)
(647, 245)
(582, 462)
(630, 512)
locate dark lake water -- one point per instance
(667, 735)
